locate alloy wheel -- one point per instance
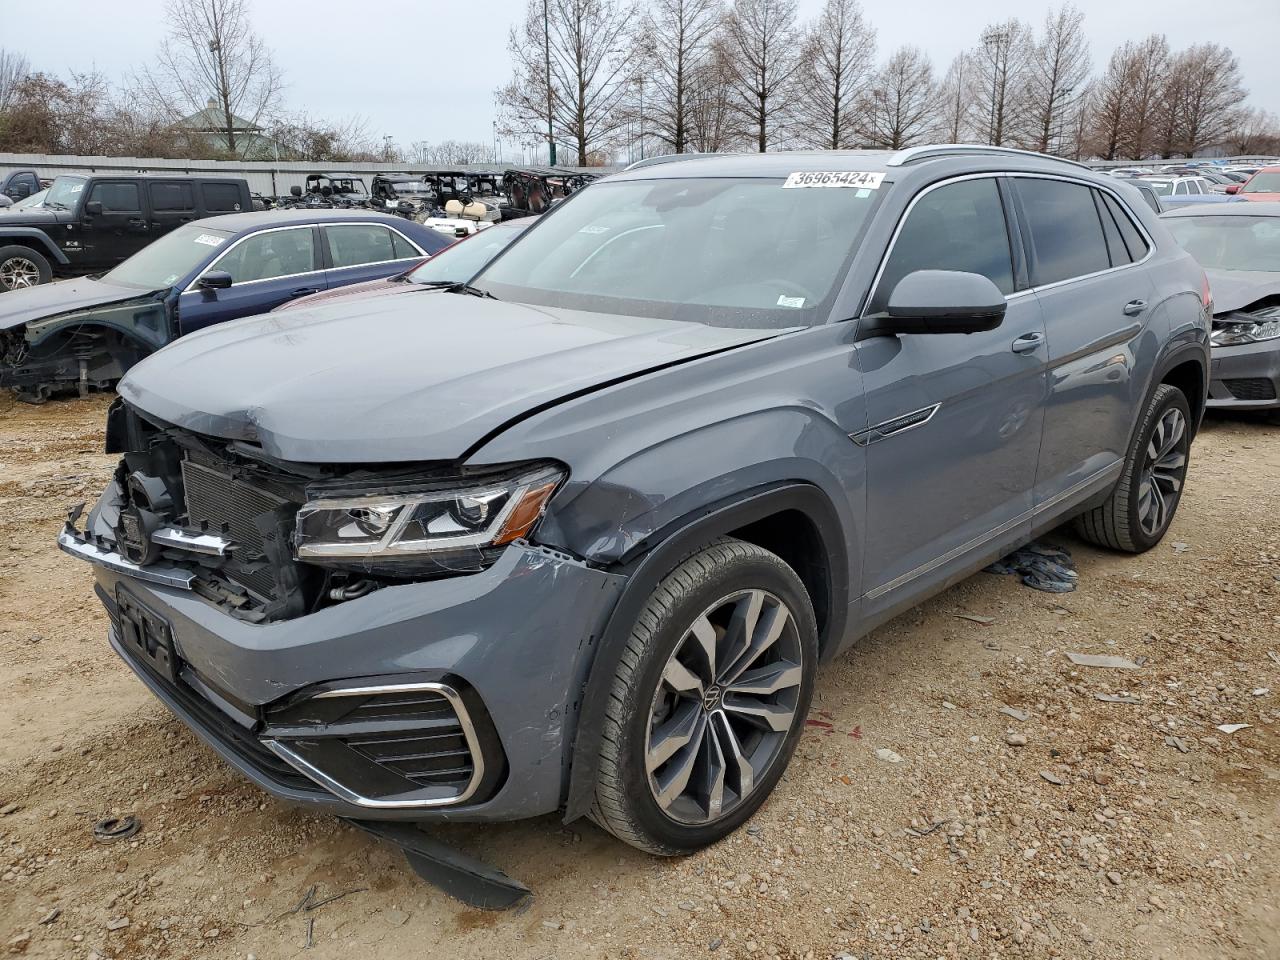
(1163, 472)
(727, 698)
(17, 272)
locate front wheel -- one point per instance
(22, 267)
(708, 702)
(1141, 507)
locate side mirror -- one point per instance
(93, 208)
(214, 280)
(295, 191)
(1233, 188)
(939, 301)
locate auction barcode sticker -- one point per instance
(835, 178)
(209, 240)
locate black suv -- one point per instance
(89, 224)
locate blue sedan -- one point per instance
(85, 333)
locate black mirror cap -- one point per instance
(940, 301)
(214, 280)
(93, 208)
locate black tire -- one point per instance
(625, 803)
(1118, 522)
(17, 262)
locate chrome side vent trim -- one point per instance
(889, 428)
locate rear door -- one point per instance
(367, 251)
(121, 229)
(954, 419)
(267, 268)
(1085, 253)
(172, 202)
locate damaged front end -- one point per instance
(268, 541)
(82, 350)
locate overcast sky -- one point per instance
(427, 70)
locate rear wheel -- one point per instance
(22, 267)
(708, 702)
(1141, 507)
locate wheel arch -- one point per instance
(814, 547)
(35, 239)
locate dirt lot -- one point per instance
(1088, 829)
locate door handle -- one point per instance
(1028, 342)
(303, 291)
(1134, 307)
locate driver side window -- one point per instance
(957, 226)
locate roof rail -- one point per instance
(669, 158)
(913, 154)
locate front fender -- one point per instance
(143, 319)
(47, 246)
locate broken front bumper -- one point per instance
(331, 709)
(1246, 377)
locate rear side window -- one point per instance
(404, 249)
(117, 197)
(221, 197)
(1134, 242)
(353, 244)
(1115, 243)
(1066, 232)
(168, 197)
(957, 226)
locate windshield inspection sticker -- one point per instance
(209, 240)
(795, 303)
(835, 178)
(594, 229)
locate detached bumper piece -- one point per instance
(87, 548)
(460, 875)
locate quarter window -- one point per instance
(1115, 243)
(265, 256)
(958, 226)
(353, 244)
(1134, 242)
(117, 197)
(1066, 233)
(220, 197)
(404, 249)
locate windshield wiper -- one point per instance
(455, 286)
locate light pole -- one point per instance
(496, 158)
(546, 52)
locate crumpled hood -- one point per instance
(1235, 289)
(398, 378)
(49, 299)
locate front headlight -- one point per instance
(456, 522)
(1239, 328)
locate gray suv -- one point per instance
(578, 534)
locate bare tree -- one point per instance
(1056, 72)
(955, 100)
(1206, 91)
(1146, 70)
(1079, 142)
(212, 60)
(672, 43)
(838, 58)
(302, 137)
(711, 119)
(452, 152)
(900, 104)
(1001, 57)
(1109, 105)
(761, 59)
(1256, 132)
(587, 44)
(14, 68)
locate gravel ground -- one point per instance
(1025, 817)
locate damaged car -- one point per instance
(1239, 248)
(83, 334)
(577, 534)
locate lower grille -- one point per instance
(236, 508)
(1251, 388)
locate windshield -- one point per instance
(1268, 181)
(1162, 188)
(1230, 243)
(64, 192)
(411, 186)
(727, 252)
(35, 200)
(462, 260)
(169, 259)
